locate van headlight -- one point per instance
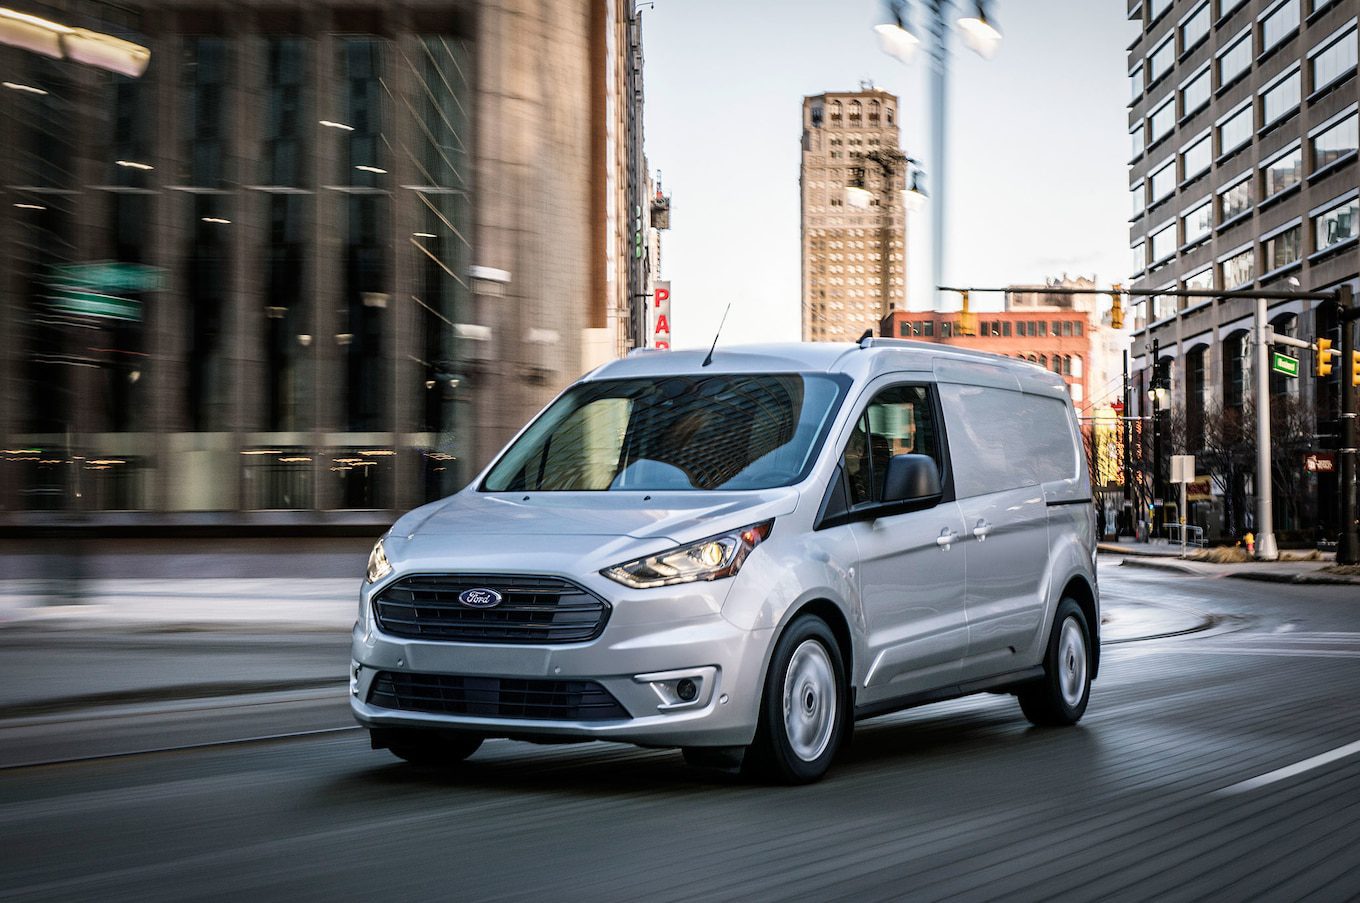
(708, 559)
(378, 565)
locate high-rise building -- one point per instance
(317, 263)
(1243, 122)
(854, 271)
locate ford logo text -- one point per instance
(480, 598)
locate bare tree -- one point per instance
(1291, 434)
(1229, 447)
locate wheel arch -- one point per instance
(835, 618)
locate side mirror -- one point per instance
(911, 478)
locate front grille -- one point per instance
(532, 610)
(495, 697)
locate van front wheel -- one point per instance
(1060, 696)
(804, 709)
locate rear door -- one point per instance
(1002, 444)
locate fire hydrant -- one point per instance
(1250, 540)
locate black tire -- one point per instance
(434, 750)
(819, 684)
(1059, 698)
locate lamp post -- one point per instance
(890, 163)
(896, 38)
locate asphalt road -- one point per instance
(1170, 789)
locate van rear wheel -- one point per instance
(1060, 696)
(804, 708)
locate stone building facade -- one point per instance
(854, 266)
(316, 265)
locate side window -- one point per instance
(899, 420)
(1002, 439)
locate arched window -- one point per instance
(1194, 398)
(835, 111)
(1076, 365)
(1043, 361)
(1235, 368)
(874, 110)
(856, 113)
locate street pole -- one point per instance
(939, 64)
(1348, 543)
(1154, 383)
(1265, 508)
(1128, 459)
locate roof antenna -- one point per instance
(708, 360)
(864, 339)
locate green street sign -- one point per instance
(92, 304)
(1283, 363)
(109, 276)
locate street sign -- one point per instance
(1283, 363)
(1182, 468)
(1319, 462)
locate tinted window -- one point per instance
(1001, 439)
(725, 431)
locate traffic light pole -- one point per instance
(1348, 543)
(1266, 549)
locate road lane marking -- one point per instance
(1289, 771)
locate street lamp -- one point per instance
(980, 35)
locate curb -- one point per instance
(1266, 577)
(1158, 563)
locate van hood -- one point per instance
(679, 516)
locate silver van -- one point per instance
(742, 556)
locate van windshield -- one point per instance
(719, 431)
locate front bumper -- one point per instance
(653, 640)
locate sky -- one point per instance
(1038, 148)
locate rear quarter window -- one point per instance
(1003, 439)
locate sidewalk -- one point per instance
(1167, 557)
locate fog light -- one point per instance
(690, 688)
(354, 669)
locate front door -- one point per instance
(911, 565)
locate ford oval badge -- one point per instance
(480, 598)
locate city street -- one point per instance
(1190, 776)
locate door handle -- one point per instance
(981, 530)
(946, 538)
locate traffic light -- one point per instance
(1117, 308)
(1355, 368)
(1324, 358)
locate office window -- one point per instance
(1336, 225)
(1284, 248)
(1283, 172)
(1202, 281)
(1280, 99)
(1198, 222)
(1043, 327)
(1067, 327)
(1162, 120)
(1137, 198)
(1163, 306)
(1235, 131)
(1196, 27)
(1163, 181)
(1228, 6)
(1139, 257)
(1160, 61)
(1195, 92)
(1136, 82)
(1279, 24)
(1156, 8)
(1234, 201)
(1239, 269)
(930, 327)
(1196, 158)
(1164, 242)
(1235, 60)
(1136, 139)
(1335, 60)
(1335, 142)
(1006, 329)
